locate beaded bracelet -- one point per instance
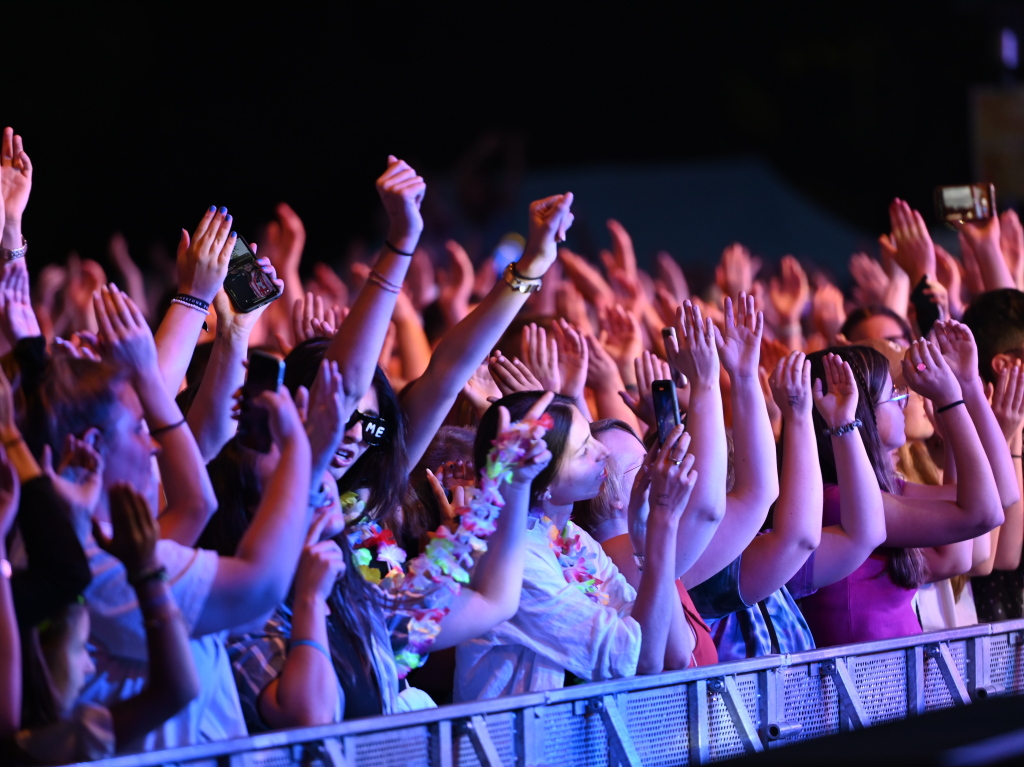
(846, 428)
(196, 303)
(950, 406)
(138, 579)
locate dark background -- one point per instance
(139, 118)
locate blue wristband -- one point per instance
(314, 644)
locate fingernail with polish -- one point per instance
(233, 234)
(213, 208)
(223, 210)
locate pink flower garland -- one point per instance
(424, 590)
(577, 563)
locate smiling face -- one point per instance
(353, 445)
(581, 470)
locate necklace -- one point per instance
(578, 564)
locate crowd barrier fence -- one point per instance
(687, 717)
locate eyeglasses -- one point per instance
(899, 396)
(375, 429)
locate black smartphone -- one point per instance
(666, 407)
(246, 284)
(967, 202)
(266, 373)
(927, 310)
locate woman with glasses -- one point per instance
(928, 528)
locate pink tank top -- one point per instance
(862, 607)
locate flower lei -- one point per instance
(423, 591)
(577, 563)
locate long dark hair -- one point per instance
(518, 404)
(870, 371)
(381, 470)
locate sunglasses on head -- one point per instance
(375, 429)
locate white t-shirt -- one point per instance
(557, 628)
(118, 645)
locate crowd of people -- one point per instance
(466, 488)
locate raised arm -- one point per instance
(861, 529)
(463, 347)
(357, 347)
(956, 342)
(209, 417)
(126, 338)
(934, 516)
(306, 692)
(256, 579)
(696, 357)
(202, 266)
(665, 636)
(172, 681)
(498, 576)
(10, 644)
(15, 187)
(773, 558)
(984, 237)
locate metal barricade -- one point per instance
(677, 718)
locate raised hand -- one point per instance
(956, 342)
(927, 372)
(17, 319)
(1008, 400)
(230, 319)
(648, 370)
(550, 219)
(125, 336)
(736, 271)
(947, 270)
(15, 186)
(790, 291)
(573, 358)
(202, 260)
(326, 415)
(78, 479)
(321, 562)
(837, 405)
(827, 311)
(541, 356)
(872, 281)
(692, 350)
(621, 335)
(791, 386)
(672, 476)
(401, 191)
(537, 456)
(670, 274)
(135, 532)
(587, 279)
(915, 253)
(512, 375)
(455, 283)
(1011, 242)
(622, 257)
(312, 319)
(285, 423)
(448, 509)
(739, 347)
(134, 281)
(287, 236)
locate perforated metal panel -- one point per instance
(656, 720)
(408, 747)
(881, 681)
(936, 694)
(572, 740)
(810, 700)
(725, 739)
(502, 729)
(1007, 663)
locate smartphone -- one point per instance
(265, 373)
(247, 285)
(969, 202)
(666, 407)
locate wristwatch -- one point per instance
(15, 253)
(519, 283)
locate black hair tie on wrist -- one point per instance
(167, 428)
(950, 406)
(393, 249)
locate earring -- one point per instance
(546, 495)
